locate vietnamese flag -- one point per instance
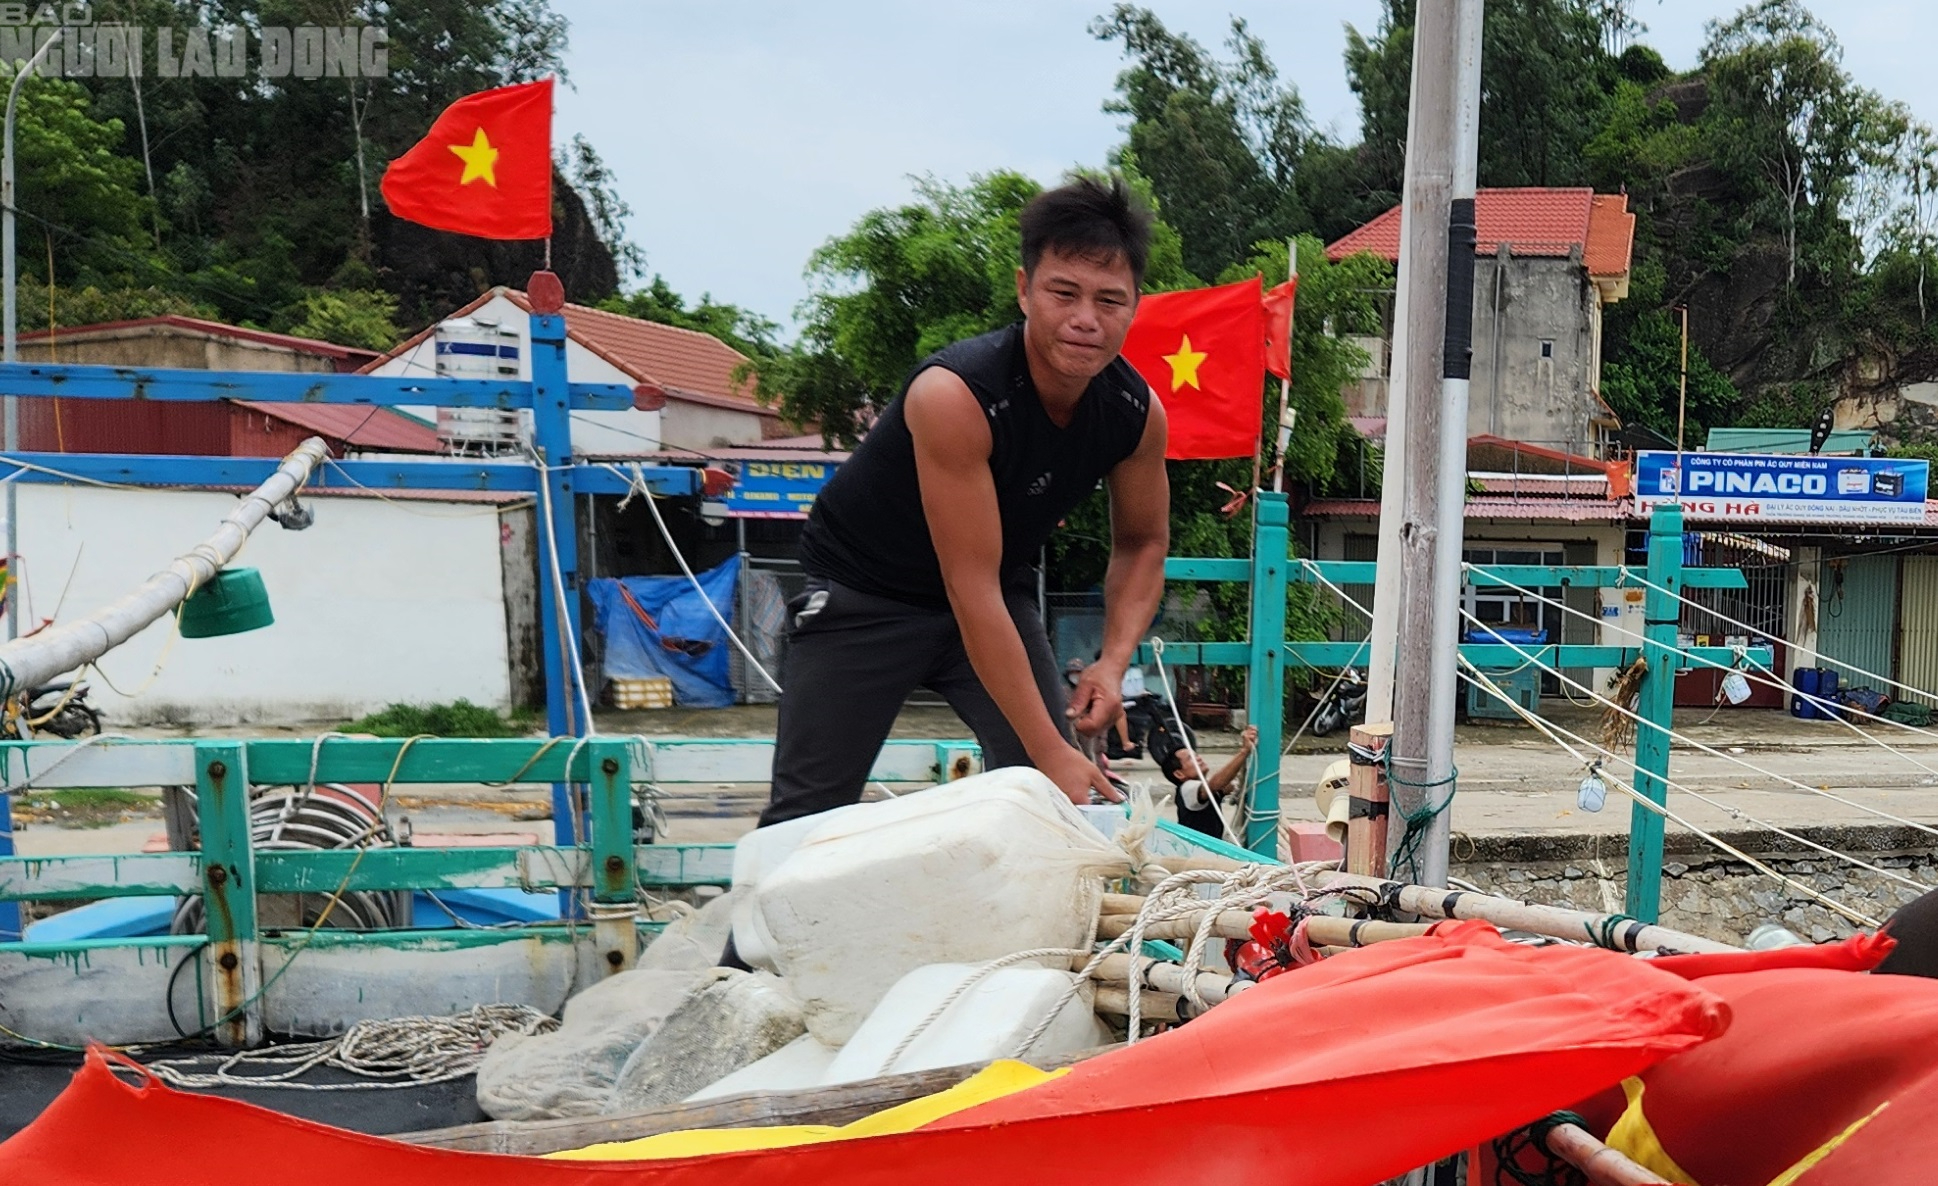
(1203, 352)
(484, 168)
(1278, 328)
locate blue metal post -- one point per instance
(1265, 691)
(1662, 614)
(558, 561)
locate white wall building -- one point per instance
(381, 600)
(706, 405)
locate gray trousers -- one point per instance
(851, 660)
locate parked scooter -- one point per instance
(1343, 703)
(59, 709)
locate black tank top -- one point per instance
(867, 529)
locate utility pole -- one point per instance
(9, 331)
(1437, 280)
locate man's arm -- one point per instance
(1140, 534)
(952, 445)
(1236, 763)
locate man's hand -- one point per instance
(1248, 739)
(1097, 702)
(1076, 775)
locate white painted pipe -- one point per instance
(27, 663)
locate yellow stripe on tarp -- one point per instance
(993, 1082)
(1634, 1138)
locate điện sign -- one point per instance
(1795, 488)
(776, 489)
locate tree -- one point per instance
(1546, 72)
(1785, 118)
(1228, 150)
(905, 282)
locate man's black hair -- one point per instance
(1165, 746)
(1090, 218)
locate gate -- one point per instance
(1857, 615)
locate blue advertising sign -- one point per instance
(776, 489)
(1747, 487)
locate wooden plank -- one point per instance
(1192, 568)
(840, 1104)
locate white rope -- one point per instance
(1837, 711)
(1184, 739)
(1722, 617)
(638, 481)
(1550, 729)
(567, 635)
(1687, 740)
(399, 1052)
(1547, 728)
(29, 780)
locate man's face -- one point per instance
(1078, 310)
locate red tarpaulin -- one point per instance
(1339, 1074)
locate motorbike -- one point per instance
(1343, 703)
(60, 708)
(1142, 714)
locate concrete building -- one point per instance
(231, 428)
(707, 405)
(1548, 262)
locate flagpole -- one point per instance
(1288, 415)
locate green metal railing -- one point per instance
(1267, 654)
(231, 874)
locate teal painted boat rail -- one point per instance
(1272, 569)
(231, 874)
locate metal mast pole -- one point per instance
(1420, 775)
(9, 331)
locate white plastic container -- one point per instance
(987, 1021)
(757, 854)
(801, 1063)
(981, 868)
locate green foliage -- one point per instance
(1786, 405)
(460, 718)
(362, 318)
(1642, 382)
(905, 282)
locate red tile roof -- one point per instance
(376, 429)
(1531, 222)
(690, 366)
(348, 358)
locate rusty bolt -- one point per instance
(218, 769)
(615, 864)
(614, 958)
(610, 766)
(228, 961)
(218, 875)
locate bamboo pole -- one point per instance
(1608, 930)
(1116, 971)
(27, 663)
(1601, 1165)
(1154, 1006)
(1237, 924)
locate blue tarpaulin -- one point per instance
(665, 629)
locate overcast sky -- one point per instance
(744, 133)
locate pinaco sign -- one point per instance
(1752, 487)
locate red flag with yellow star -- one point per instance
(1203, 352)
(484, 168)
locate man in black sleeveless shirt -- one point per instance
(919, 551)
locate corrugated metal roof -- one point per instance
(1784, 440)
(358, 427)
(1531, 222)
